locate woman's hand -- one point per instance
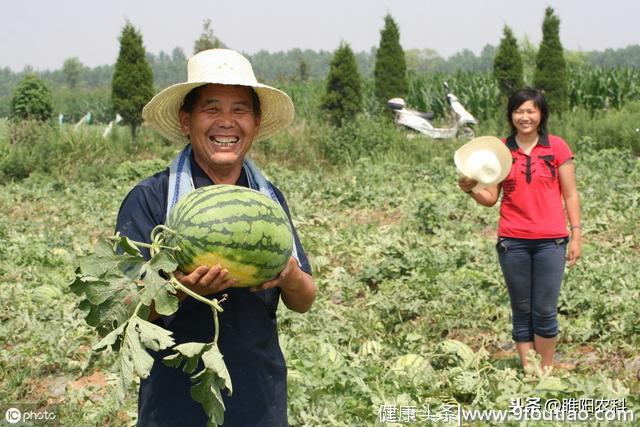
(574, 251)
(466, 184)
(487, 196)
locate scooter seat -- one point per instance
(428, 115)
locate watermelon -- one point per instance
(243, 230)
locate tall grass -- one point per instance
(31, 147)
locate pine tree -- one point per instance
(343, 98)
(31, 100)
(132, 85)
(507, 64)
(206, 40)
(390, 72)
(550, 75)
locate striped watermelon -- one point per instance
(243, 230)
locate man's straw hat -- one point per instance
(485, 159)
(218, 66)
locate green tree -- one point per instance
(390, 72)
(31, 100)
(206, 40)
(132, 85)
(343, 98)
(422, 61)
(551, 69)
(71, 70)
(303, 69)
(507, 65)
(528, 53)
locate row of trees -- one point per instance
(550, 73)
(132, 78)
(343, 98)
(132, 83)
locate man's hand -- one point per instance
(204, 280)
(286, 278)
(298, 288)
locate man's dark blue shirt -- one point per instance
(248, 331)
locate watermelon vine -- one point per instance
(118, 287)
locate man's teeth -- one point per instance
(223, 140)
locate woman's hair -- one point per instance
(522, 96)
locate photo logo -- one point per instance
(13, 415)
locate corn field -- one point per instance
(591, 89)
(597, 89)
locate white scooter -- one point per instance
(421, 122)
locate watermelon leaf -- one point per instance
(128, 246)
(118, 287)
(135, 336)
(156, 288)
(105, 259)
(208, 385)
(209, 381)
(188, 355)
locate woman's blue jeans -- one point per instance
(533, 270)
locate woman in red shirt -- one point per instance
(532, 231)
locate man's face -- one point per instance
(221, 126)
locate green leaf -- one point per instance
(100, 290)
(153, 336)
(110, 339)
(214, 362)
(103, 259)
(79, 284)
(163, 261)
(156, 288)
(209, 381)
(187, 355)
(208, 394)
(133, 358)
(129, 247)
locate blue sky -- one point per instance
(43, 33)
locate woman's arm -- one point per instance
(487, 196)
(567, 175)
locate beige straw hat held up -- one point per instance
(217, 66)
(485, 159)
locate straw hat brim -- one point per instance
(487, 143)
(162, 113)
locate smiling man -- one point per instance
(222, 122)
(219, 113)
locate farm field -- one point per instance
(405, 264)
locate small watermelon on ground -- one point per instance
(243, 230)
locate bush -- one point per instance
(74, 104)
(31, 100)
(610, 129)
(362, 137)
(26, 149)
(34, 147)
